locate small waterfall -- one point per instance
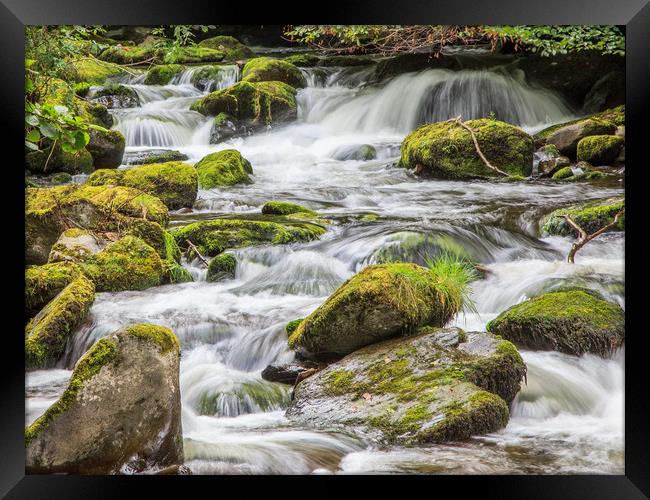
(432, 95)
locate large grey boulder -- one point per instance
(566, 138)
(438, 385)
(121, 411)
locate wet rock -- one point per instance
(47, 334)
(287, 373)
(566, 138)
(76, 245)
(162, 74)
(428, 150)
(591, 216)
(380, 302)
(600, 149)
(607, 92)
(438, 385)
(284, 208)
(121, 411)
(37, 162)
(267, 69)
(106, 148)
(364, 152)
(223, 128)
(115, 96)
(572, 322)
(223, 168)
(222, 267)
(154, 156)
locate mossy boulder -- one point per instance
(105, 177)
(76, 245)
(47, 334)
(190, 54)
(591, 216)
(600, 149)
(95, 71)
(131, 54)
(43, 283)
(446, 150)
(115, 96)
(174, 183)
(436, 386)
(155, 156)
(121, 410)
(572, 322)
(214, 236)
(284, 208)
(563, 173)
(80, 162)
(291, 326)
(303, 60)
(106, 148)
(380, 302)
(251, 105)
(223, 168)
(50, 211)
(267, 69)
(162, 74)
(566, 138)
(127, 264)
(231, 48)
(221, 267)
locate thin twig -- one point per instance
(459, 121)
(196, 251)
(49, 156)
(583, 237)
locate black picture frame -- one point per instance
(633, 14)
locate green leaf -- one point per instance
(31, 120)
(31, 145)
(33, 136)
(49, 131)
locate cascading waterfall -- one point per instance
(566, 419)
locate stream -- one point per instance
(568, 417)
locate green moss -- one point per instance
(614, 116)
(591, 216)
(103, 352)
(126, 54)
(223, 168)
(254, 103)
(284, 208)
(174, 183)
(165, 338)
(231, 48)
(410, 296)
(115, 89)
(214, 236)
(80, 162)
(292, 325)
(563, 173)
(61, 178)
(222, 267)
(193, 54)
(600, 149)
(340, 382)
(446, 149)
(127, 264)
(303, 60)
(43, 283)
(95, 71)
(82, 88)
(573, 322)
(47, 333)
(267, 69)
(162, 74)
(105, 177)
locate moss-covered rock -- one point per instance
(365, 152)
(291, 326)
(76, 245)
(223, 168)
(253, 105)
(155, 156)
(47, 333)
(222, 267)
(43, 283)
(120, 411)
(162, 74)
(231, 48)
(106, 148)
(380, 302)
(563, 173)
(194, 54)
(61, 178)
(80, 162)
(446, 150)
(127, 264)
(95, 71)
(566, 138)
(591, 216)
(116, 96)
(572, 322)
(105, 177)
(214, 236)
(439, 385)
(174, 183)
(303, 60)
(50, 211)
(267, 69)
(600, 149)
(284, 208)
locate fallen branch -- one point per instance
(459, 121)
(196, 251)
(583, 237)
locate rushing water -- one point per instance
(568, 418)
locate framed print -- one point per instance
(259, 248)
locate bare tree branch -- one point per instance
(585, 238)
(459, 121)
(196, 251)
